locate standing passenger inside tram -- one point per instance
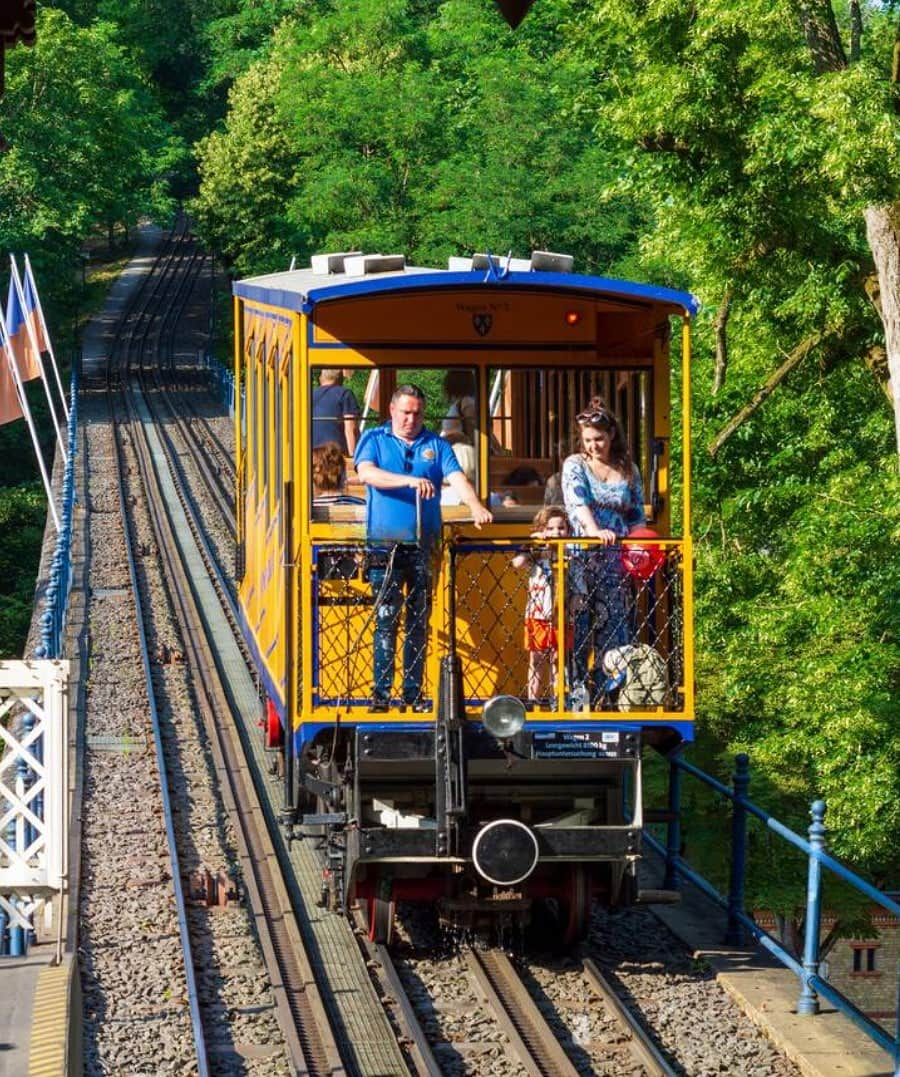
(604, 498)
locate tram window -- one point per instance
(336, 394)
(246, 395)
(264, 367)
(279, 439)
(451, 408)
(532, 420)
(254, 411)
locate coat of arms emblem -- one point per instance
(482, 323)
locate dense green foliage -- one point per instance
(23, 511)
(695, 143)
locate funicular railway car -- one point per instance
(493, 800)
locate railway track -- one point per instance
(310, 1046)
(162, 454)
(537, 1048)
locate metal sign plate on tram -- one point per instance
(590, 744)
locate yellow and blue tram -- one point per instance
(481, 800)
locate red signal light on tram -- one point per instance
(573, 317)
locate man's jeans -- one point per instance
(409, 571)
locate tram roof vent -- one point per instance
(540, 261)
(362, 264)
(331, 263)
(551, 262)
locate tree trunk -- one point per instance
(822, 36)
(883, 234)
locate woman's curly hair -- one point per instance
(328, 467)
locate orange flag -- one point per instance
(33, 309)
(10, 408)
(27, 361)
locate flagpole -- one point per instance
(29, 274)
(26, 411)
(14, 269)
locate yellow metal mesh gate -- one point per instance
(618, 611)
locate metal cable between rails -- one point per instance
(537, 1048)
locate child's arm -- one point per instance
(523, 559)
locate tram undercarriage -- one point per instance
(486, 827)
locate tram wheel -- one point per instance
(576, 909)
(381, 914)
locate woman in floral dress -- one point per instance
(604, 499)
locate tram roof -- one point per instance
(304, 289)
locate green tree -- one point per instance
(757, 165)
(23, 511)
(247, 174)
(61, 180)
(405, 126)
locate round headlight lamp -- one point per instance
(503, 716)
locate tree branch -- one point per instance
(794, 359)
(720, 325)
(855, 30)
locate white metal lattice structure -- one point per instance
(33, 784)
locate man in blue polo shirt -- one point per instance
(401, 462)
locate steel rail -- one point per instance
(211, 480)
(394, 995)
(533, 1040)
(122, 331)
(180, 904)
(640, 1043)
(301, 1013)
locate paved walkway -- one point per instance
(99, 332)
(825, 1045)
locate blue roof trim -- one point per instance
(375, 285)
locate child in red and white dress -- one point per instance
(541, 618)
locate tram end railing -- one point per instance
(623, 635)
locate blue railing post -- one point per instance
(897, 1026)
(15, 837)
(734, 935)
(16, 933)
(673, 829)
(28, 779)
(809, 1000)
(46, 633)
(4, 939)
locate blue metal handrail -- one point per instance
(59, 582)
(223, 379)
(14, 941)
(807, 971)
